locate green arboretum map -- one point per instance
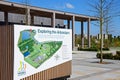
(35, 52)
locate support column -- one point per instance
(32, 19)
(6, 17)
(53, 20)
(28, 19)
(82, 34)
(68, 24)
(73, 32)
(88, 33)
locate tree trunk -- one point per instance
(101, 40)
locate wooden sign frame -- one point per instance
(59, 72)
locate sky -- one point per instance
(75, 6)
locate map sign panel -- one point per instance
(37, 49)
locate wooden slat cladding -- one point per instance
(7, 60)
(55, 72)
(0, 53)
(6, 52)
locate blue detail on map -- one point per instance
(26, 54)
(25, 35)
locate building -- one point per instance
(13, 13)
(48, 18)
(20, 19)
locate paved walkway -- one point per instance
(85, 67)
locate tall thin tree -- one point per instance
(102, 10)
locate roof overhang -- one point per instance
(36, 11)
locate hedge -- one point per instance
(92, 49)
(105, 55)
(116, 57)
(88, 49)
(109, 56)
(118, 53)
(105, 49)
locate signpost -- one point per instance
(39, 49)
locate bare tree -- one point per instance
(103, 10)
(27, 12)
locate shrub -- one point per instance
(105, 55)
(98, 55)
(110, 55)
(105, 49)
(116, 57)
(118, 53)
(92, 49)
(88, 49)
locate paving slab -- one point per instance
(85, 70)
(113, 75)
(85, 67)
